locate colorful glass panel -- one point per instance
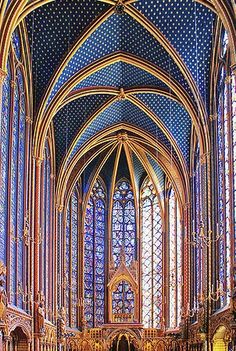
(13, 195)
(94, 257)
(71, 279)
(5, 125)
(175, 262)
(123, 299)
(233, 96)
(152, 257)
(21, 181)
(123, 223)
(224, 211)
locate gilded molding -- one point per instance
(204, 157)
(28, 120)
(213, 117)
(3, 269)
(3, 75)
(38, 160)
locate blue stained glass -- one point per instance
(94, 257)
(198, 223)
(5, 117)
(67, 264)
(46, 275)
(122, 300)
(74, 257)
(233, 97)
(71, 278)
(123, 223)
(21, 179)
(224, 211)
(13, 199)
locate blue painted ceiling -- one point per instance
(71, 118)
(188, 26)
(53, 29)
(121, 74)
(121, 112)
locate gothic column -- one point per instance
(38, 163)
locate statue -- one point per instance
(40, 313)
(3, 294)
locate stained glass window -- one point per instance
(224, 183)
(196, 227)
(72, 259)
(175, 261)
(45, 229)
(21, 180)
(122, 301)
(94, 257)
(123, 223)
(233, 96)
(5, 125)
(152, 257)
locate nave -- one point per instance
(117, 175)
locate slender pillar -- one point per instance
(38, 163)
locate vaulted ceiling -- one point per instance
(99, 64)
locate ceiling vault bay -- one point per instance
(177, 95)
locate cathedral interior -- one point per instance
(117, 175)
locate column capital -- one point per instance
(228, 79)
(233, 69)
(213, 117)
(186, 206)
(28, 119)
(60, 208)
(38, 160)
(3, 75)
(204, 157)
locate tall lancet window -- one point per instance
(233, 92)
(46, 231)
(175, 261)
(152, 256)
(123, 223)
(13, 176)
(94, 256)
(224, 181)
(196, 260)
(4, 149)
(72, 256)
